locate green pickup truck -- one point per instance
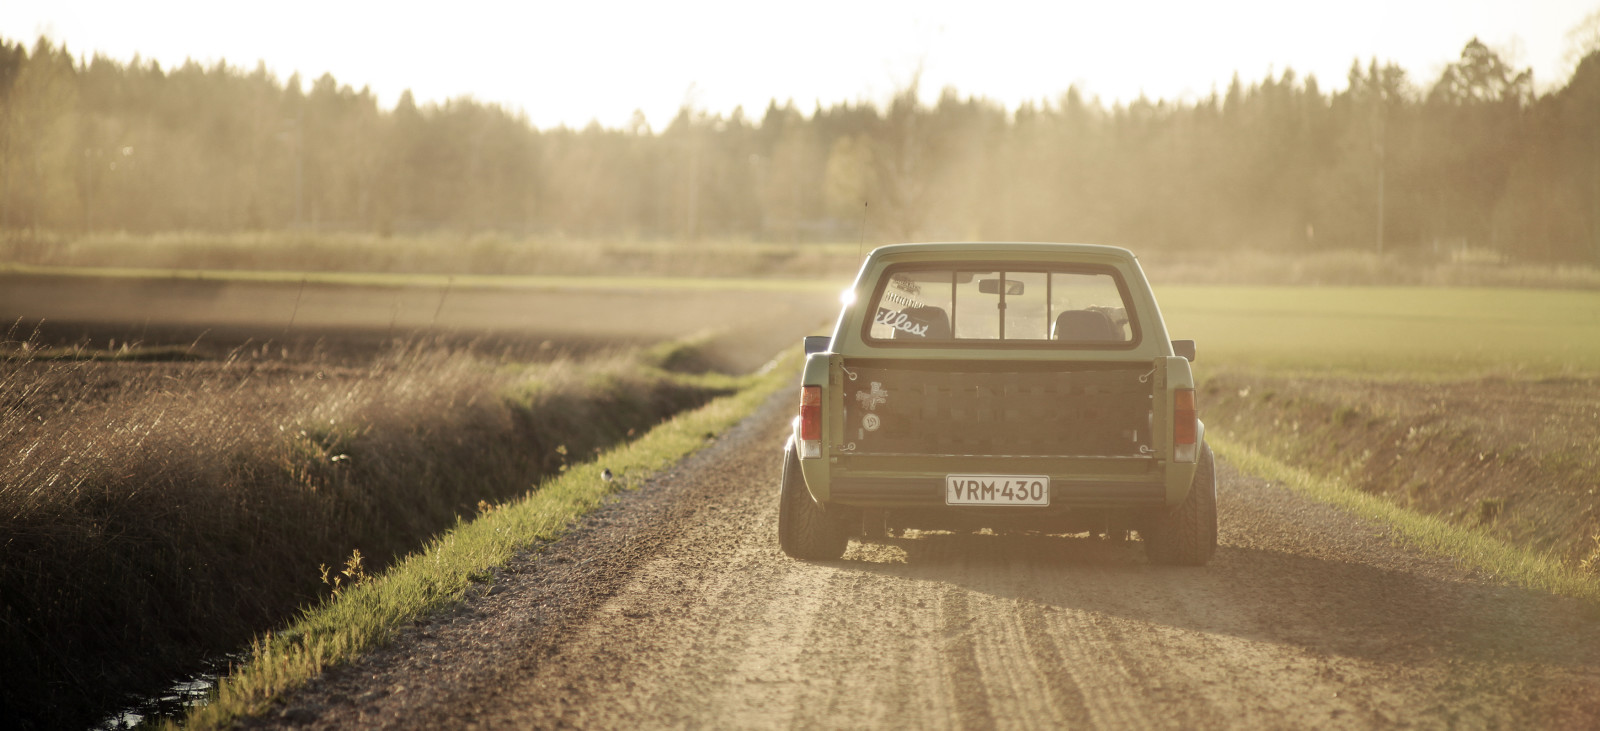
(1000, 386)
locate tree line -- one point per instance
(1472, 159)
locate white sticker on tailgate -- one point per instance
(996, 490)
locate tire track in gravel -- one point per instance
(1071, 708)
(960, 655)
(673, 607)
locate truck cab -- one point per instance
(1001, 386)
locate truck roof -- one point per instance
(980, 247)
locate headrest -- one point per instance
(1085, 325)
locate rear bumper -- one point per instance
(929, 492)
(918, 481)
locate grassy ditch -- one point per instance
(1433, 533)
(441, 574)
(155, 513)
(1510, 461)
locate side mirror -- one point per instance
(818, 343)
(1184, 348)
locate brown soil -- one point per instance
(1517, 458)
(354, 322)
(674, 607)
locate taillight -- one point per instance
(1185, 425)
(1183, 416)
(811, 413)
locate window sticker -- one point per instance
(904, 283)
(901, 299)
(899, 321)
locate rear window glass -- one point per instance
(983, 304)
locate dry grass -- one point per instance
(1591, 563)
(154, 513)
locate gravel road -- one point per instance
(672, 607)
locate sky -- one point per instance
(574, 61)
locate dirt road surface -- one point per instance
(673, 607)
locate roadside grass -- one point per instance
(157, 512)
(451, 565)
(1388, 333)
(1498, 559)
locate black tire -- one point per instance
(804, 529)
(1187, 536)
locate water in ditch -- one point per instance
(174, 702)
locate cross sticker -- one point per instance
(871, 400)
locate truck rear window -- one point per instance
(1026, 305)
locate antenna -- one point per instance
(296, 311)
(861, 239)
(448, 283)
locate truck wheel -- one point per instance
(1187, 536)
(804, 529)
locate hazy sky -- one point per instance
(573, 61)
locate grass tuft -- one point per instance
(1591, 563)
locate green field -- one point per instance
(1389, 332)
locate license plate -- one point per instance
(996, 490)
